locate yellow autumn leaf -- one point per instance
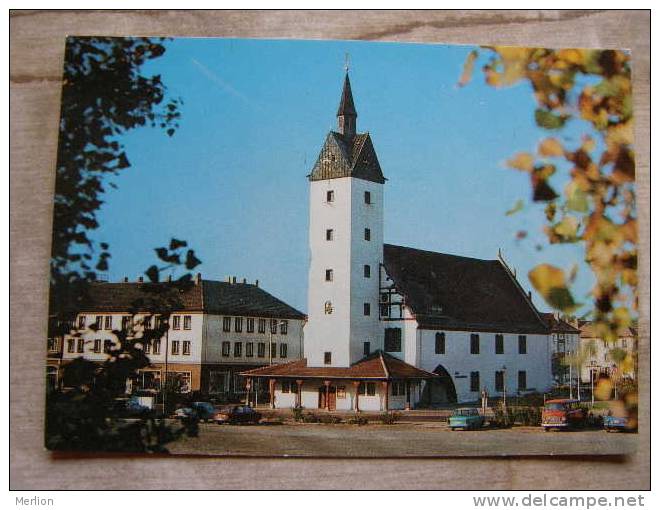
(550, 147)
(522, 161)
(603, 389)
(468, 67)
(550, 282)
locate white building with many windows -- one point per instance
(392, 327)
(220, 329)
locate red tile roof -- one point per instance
(378, 365)
(558, 325)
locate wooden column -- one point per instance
(299, 382)
(248, 386)
(386, 388)
(407, 395)
(271, 389)
(356, 387)
(327, 395)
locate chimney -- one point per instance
(244, 281)
(228, 279)
(198, 278)
(256, 283)
(125, 279)
(233, 279)
(140, 279)
(169, 278)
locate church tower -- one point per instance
(346, 245)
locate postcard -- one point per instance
(343, 249)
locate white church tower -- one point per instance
(346, 244)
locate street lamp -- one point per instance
(504, 387)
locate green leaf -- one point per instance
(517, 207)
(549, 120)
(177, 243)
(191, 260)
(153, 274)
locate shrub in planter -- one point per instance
(297, 413)
(329, 418)
(310, 418)
(389, 418)
(357, 420)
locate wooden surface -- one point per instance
(36, 51)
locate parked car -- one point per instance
(563, 414)
(466, 418)
(237, 414)
(617, 421)
(203, 411)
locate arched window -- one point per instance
(439, 343)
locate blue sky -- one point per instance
(232, 182)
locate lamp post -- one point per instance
(570, 376)
(506, 415)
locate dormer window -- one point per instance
(330, 196)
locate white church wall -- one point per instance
(459, 362)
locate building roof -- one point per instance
(346, 105)
(378, 365)
(557, 324)
(588, 330)
(347, 156)
(203, 296)
(460, 293)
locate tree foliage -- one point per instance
(596, 208)
(104, 95)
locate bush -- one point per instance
(297, 414)
(330, 419)
(310, 418)
(389, 418)
(357, 420)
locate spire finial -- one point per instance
(347, 62)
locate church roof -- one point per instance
(346, 105)
(206, 296)
(558, 325)
(378, 365)
(460, 293)
(347, 156)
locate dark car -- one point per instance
(237, 414)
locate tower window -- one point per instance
(367, 197)
(367, 309)
(327, 358)
(367, 271)
(367, 234)
(330, 196)
(392, 339)
(329, 234)
(328, 275)
(328, 307)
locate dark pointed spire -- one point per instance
(346, 113)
